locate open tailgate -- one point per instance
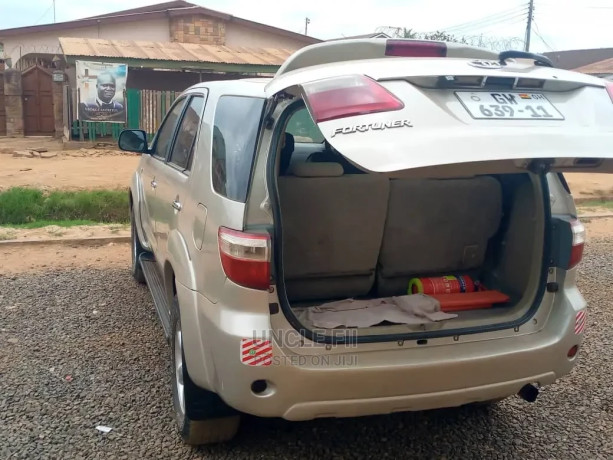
(452, 112)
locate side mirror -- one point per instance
(133, 140)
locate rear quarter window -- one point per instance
(303, 128)
(235, 131)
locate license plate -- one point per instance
(508, 106)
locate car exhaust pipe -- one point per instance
(528, 392)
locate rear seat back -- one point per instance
(436, 227)
(332, 230)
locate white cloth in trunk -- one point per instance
(408, 309)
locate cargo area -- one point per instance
(348, 234)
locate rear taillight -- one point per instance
(609, 87)
(576, 250)
(415, 48)
(245, 257)
(347, 96)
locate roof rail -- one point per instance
(373, 48)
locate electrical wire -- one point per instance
(501, 16)
(506, 21)
(44, 14)
(490, 17)
(537, 31)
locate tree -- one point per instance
(439, 35)
(490, 42)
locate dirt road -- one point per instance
(106, 167)
(67, 172)
(37, 258)
(590, 185)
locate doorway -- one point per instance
(38, 117)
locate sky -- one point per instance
(559, 24)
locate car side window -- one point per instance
(166, 132)
(235, 133)
(186, 135)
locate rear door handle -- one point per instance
(154, 184)
(177, 205)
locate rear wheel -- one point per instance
(136, 249)
(202, 417)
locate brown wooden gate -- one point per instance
(2, 109)
(37, 102)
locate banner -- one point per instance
(100, 89)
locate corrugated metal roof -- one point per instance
(598, 68)
(177, 52)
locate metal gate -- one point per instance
(145, 110)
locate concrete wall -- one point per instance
(58, 108)
(13, 103)
(48, 43)
(239, 35)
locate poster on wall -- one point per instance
(101, 91)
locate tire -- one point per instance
(136, 249)
(202, 416)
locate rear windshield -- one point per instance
(303, 128)
(235, 132)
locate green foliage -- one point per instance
(46, 223)
(596, 203)
(439, 35)
(26, 206)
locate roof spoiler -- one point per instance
(376, 48)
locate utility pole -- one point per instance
(529, 26)
(54, 11)
(307, 21)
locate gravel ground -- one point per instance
(83, 348)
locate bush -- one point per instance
(23, 205)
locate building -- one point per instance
(370, 35)
(168, 46)
(603, 69)
(574, 59)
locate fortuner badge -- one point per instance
(372, 126)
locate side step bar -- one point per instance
(155, 282)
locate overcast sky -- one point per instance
(562, 24)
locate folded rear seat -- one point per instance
(436, 227)
(332, 230)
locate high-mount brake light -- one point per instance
(415, 48)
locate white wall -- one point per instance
(239, 35)
(47, 42)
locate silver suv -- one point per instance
(294, 231)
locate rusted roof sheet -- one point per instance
(177, 52)
(597, 68)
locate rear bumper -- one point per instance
(378, 378)
(374, 406)
(303, 388)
